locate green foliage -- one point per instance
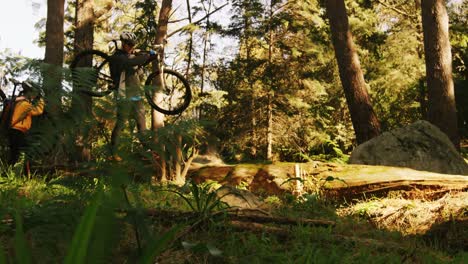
(156, 246)
(299, 76)
(459, 38)
(202, 248)
(201, 198)
(459, 43)
(21, 249)
(284, 61)
(146, 23)
(53, 221)
(81, 238)
(56, 210)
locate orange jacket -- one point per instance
(23, 113)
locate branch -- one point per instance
(397, 10)
(188, 163)
(196, 22)
(99, 13)
(241, 216)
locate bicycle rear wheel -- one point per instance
(174, 92)
(91, 73)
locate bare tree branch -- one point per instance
(196, 22)
(401, 12)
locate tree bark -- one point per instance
(157, 119)
(269, 149)
(269, 152)
(206, 44)
(178, 161)
(365, 122)
(54, 55)
(54, 32)
(190, 44)
(82, 104)
(441, 97)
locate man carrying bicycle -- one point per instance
(125, 74)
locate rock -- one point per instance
(420, 146)
(237, 197)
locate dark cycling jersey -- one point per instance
(121, 61)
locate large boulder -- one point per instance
(420, 146)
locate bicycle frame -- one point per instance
(161, 79)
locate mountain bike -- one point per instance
(173, 89)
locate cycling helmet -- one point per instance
(128, 38)
(27, 85)
(30, 87)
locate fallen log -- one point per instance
(379, 181)
(336, 181)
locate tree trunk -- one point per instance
(253, 111)
(84, 26)
(341, 181)
(206, 43)
(269, 150)
(51, 72)
(178, 161)
(269, 153)
(82, 104)
(365, 122)
(54, 55)
(157, 119)
(247, 46)
(190, 44)
(441, 97)
(54, 32)
(253, 123)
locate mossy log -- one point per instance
(339, 181)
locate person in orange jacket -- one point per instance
(27, 105)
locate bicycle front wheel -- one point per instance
(91, 73)
(172, 92)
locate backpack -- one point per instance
(7, 113)
(5, 124)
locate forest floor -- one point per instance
(185, 224)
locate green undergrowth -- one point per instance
(105, 219)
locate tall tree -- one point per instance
(86, 16)
(54, 54)
(246, 22)
(365, 122)
(389, 35)
(441, 97)
(54, 32)
(157, 119)
(84, 39)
